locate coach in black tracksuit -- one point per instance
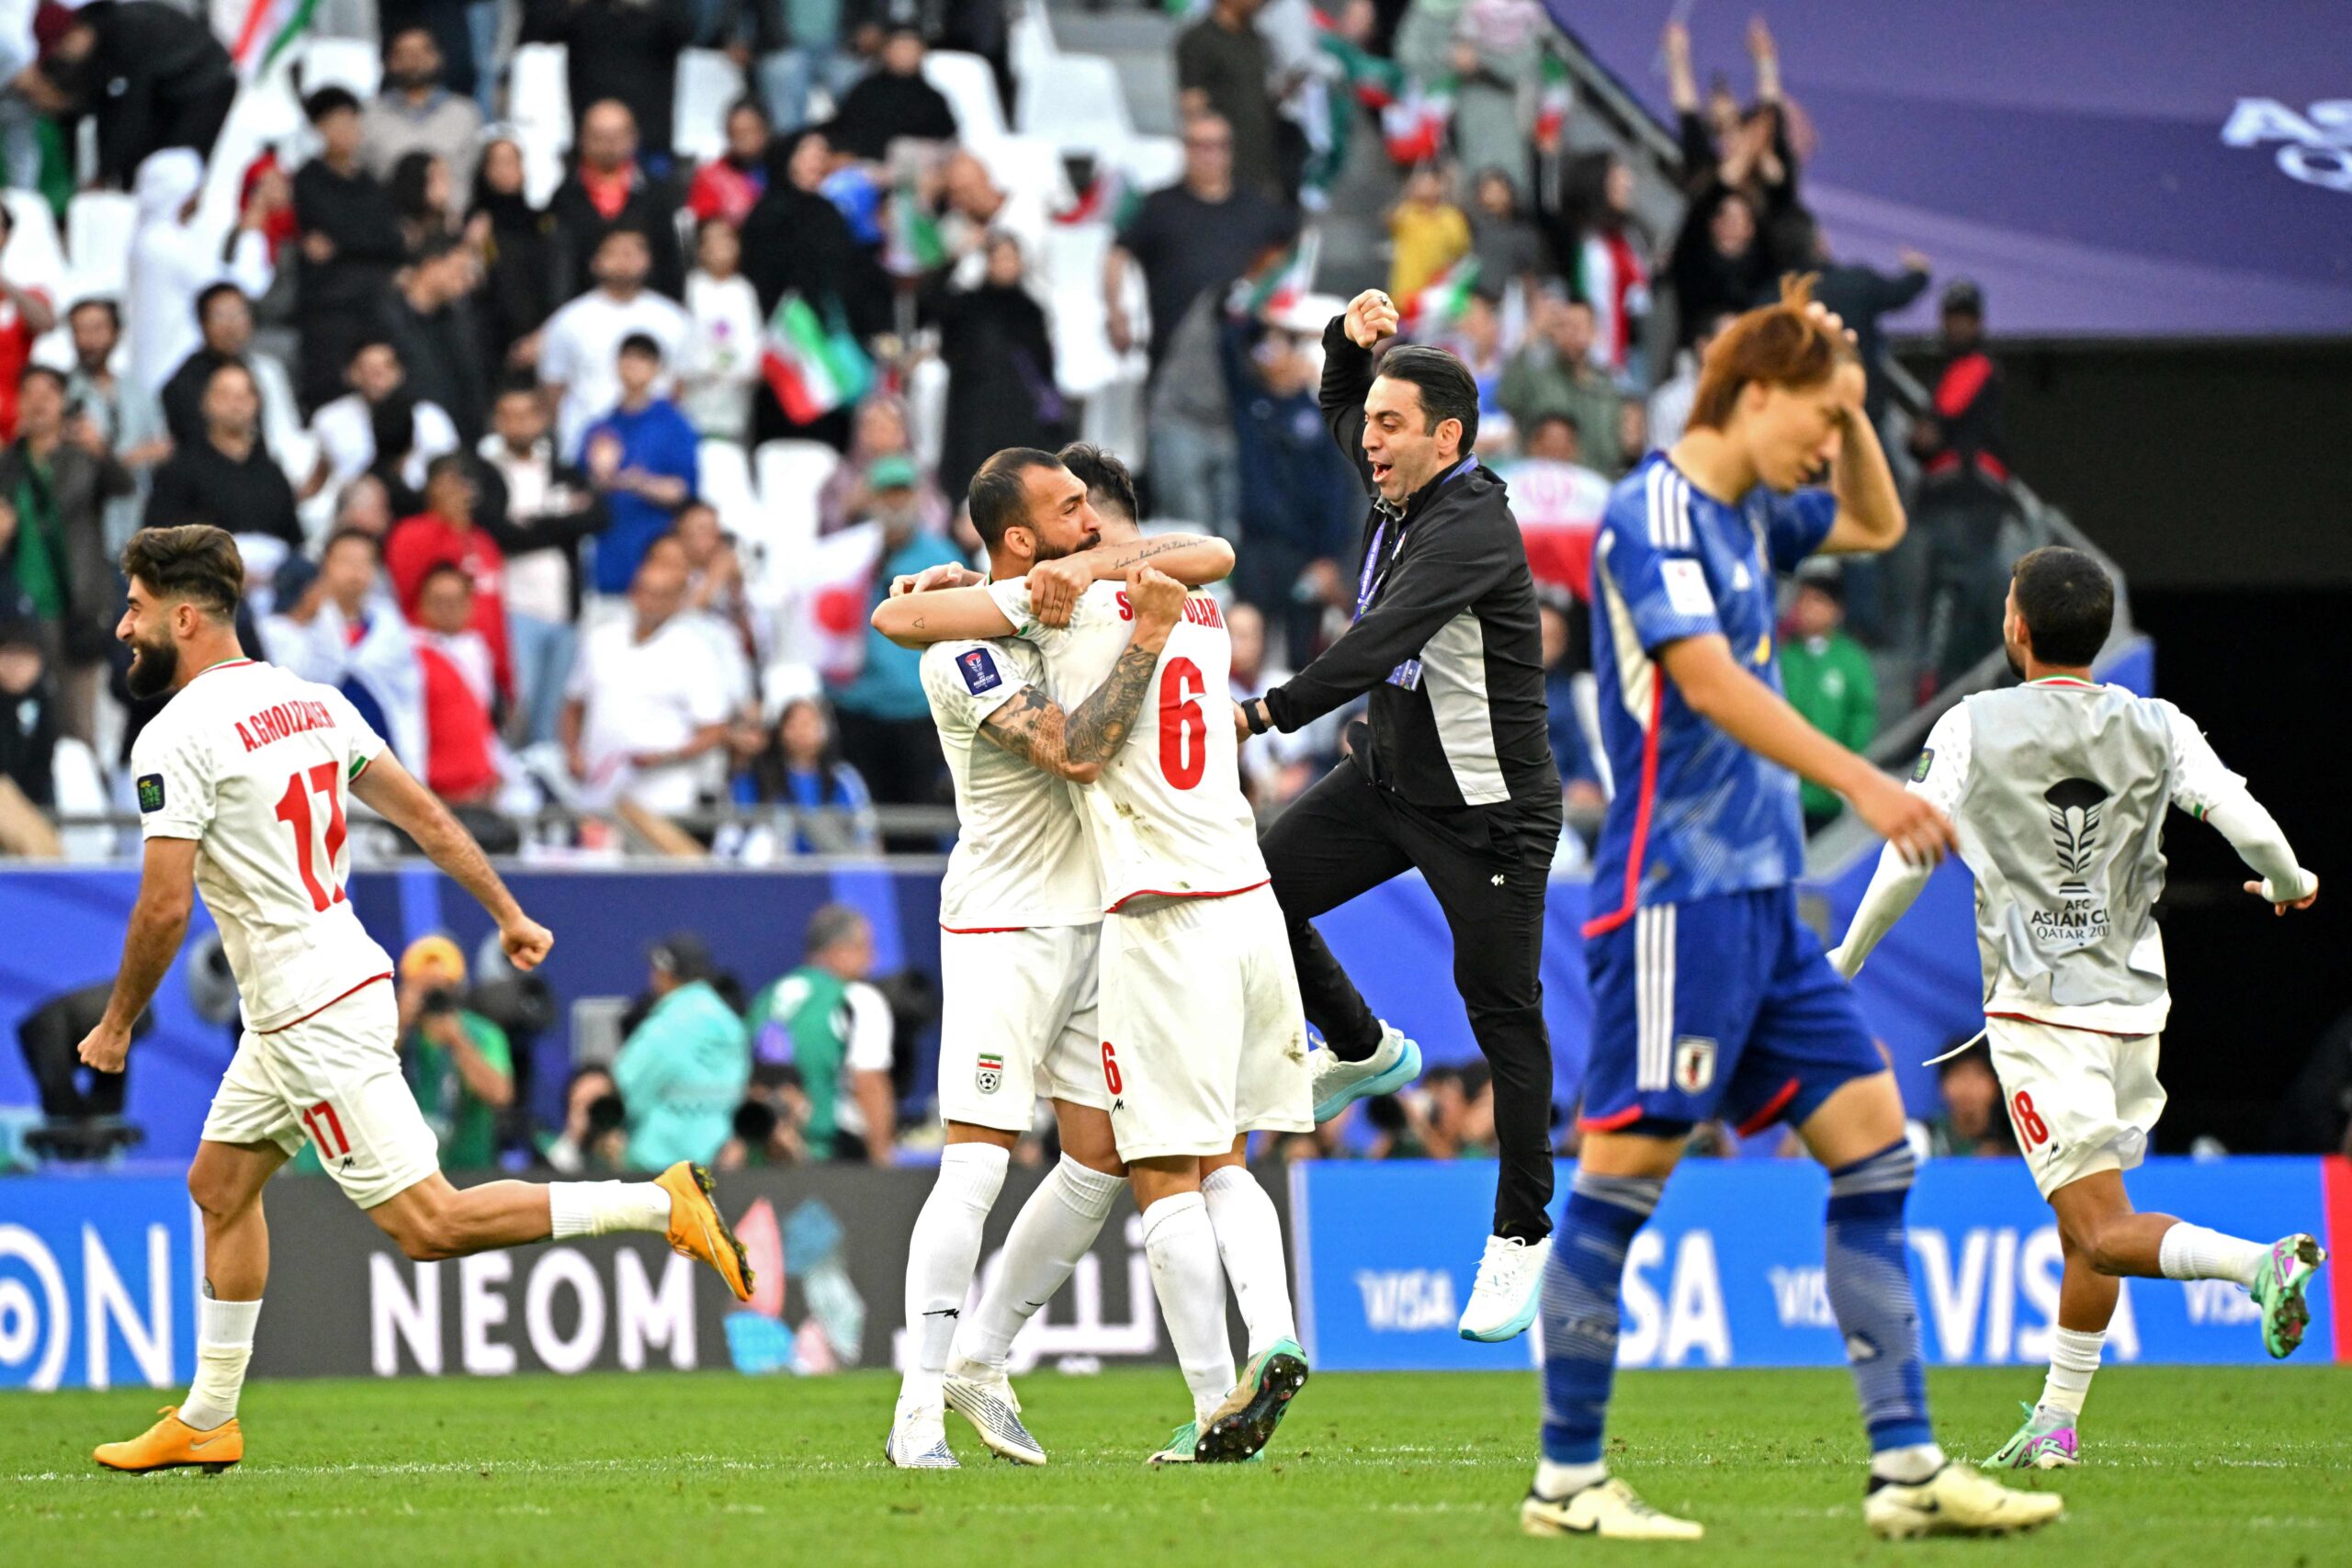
(1456, 775)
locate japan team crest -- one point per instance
(989, 1074)
(1694, 1063)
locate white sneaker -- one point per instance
(1510, 1283)
(1608, 1507)
(919, 1441)
(1956, 1500)
(1336, 1085)
(983, 1395)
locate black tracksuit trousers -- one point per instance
(1488, 866)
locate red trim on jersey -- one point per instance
(1156, 893)
(1625, 911)
(1772, 1111)
(1610, 1124)
(2336, 1199)
(324, 1006)
(2077, 1027)
(224, 664)
(980, 931)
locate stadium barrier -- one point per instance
(1729, 1272)
(99, 1277)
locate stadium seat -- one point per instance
(790, 475)
(1084, 361)
(1030, 41)
(1030, 166)
(709, 85)
(1083, 109)
(538, 102)
(1151, 162)
(726, 485)
(969, 86)
(81, 790)
(36, 260)
(348, 62)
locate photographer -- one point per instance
(459, 1064)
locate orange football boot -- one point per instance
(171, 1442)
(698, 1230)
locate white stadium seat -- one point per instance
(538, 106)
(343, 63)
(726, 485)
(36, 260)
(968, 84)
(709, 85)
(1083, 109)
(790, 475)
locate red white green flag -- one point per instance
(812, 366)
(1440, 300)
(268, 30)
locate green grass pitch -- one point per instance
(2197, 1466)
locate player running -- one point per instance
(2059, 788)
(242, 782)
(1020, 911)
(1202, 1038)
(1710, 996)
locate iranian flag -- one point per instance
(1414, 126)
(812, 365)
(1280, 284)
(1440, 301)
(266, 30)
(1554, 102)
(911, 243)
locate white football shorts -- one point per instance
(2079, 1102)
(334, 1077)
(1018, 1024)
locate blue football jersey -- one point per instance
(1695, 813)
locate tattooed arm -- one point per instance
(1075, 745)
(1192, 559)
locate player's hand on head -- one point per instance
(947, 574)
(1055, 587)
(1829, 319)
(1371, 316)
(1917, 828)
(526, 942)
(1157, 598)
(2280, 907)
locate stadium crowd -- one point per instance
(507, 413)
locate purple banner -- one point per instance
(2162, 168)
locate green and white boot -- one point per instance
(2047, 1441)
(1239, 1430)
(2278, 1290)
(1183, 1447)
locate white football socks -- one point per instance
(1909, 1465)
(2074, 1358)
(1555, 1483)
(2192, 1252)
(224, 1344)
(605, 1208)
(1190, 1283)
(1250, 1241)
(1054, 1230)
(942, 1252)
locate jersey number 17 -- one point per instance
(294, 810)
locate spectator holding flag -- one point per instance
(797, 242)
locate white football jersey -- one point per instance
(1021, 859)
(1168, 817)
(255, 764)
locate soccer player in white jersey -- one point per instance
(2060, 788)
(1019, 912)
(1203, 1040)
(243, 780)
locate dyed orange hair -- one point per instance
(1781, 345)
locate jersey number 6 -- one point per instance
(1184, 730)
(294, 810)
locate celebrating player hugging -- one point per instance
(1201, 1037)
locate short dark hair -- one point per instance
(645, 343)
(97, 302)
(433, 247)
(518, 384)
(459, 463)
(1103, 475)
(1447, 389)
(2067, 602)
(999, 496)
(346, 535)
(42, 372)
(443, 568)
(372, 340)
(195, 562)
(212, 291)
(327, 100)
(394, 37)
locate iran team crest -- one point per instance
(989, 1074)
(1694, 1063)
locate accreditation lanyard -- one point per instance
(1375, 570)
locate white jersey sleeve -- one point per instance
(2204, 786)
(176, 789)
(966, 682)
(1942, 773)
(2201, 780)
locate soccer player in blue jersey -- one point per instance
(1710, 997)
